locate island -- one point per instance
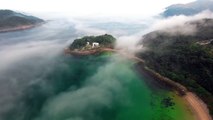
(89, 45)
(13, 21)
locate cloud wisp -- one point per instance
(96, 94)
(180, 24)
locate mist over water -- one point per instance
(39, 82)
(33, 68)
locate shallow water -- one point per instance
(38, 82)
(96, 88)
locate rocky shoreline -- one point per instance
(174, 85)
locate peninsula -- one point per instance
(13, 21)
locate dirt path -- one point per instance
(199, 108)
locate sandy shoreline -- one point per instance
(197, 106)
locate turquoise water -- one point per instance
(104, 87)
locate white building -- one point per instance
(95, 44)
(87, 43)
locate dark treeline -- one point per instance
(187, 59)
(13, 19)
(104, 41)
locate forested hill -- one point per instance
(11, 19)
(187, 59)
(191, 8)
(106, 41)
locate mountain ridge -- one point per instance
(188, 9)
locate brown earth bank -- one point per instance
(88, 52)
(198, 107)
(22, 27)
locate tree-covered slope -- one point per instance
(187, 59)
(188, 9)
(103, 40)
(10, 19)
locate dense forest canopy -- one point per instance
(187, 59)
(104, 41)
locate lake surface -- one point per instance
(39, 82)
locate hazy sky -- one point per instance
(124, 8)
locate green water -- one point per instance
(146, 103)
(104, 87)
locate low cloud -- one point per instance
(25, 63)
(129, 43)
(27, 68)
(26, 57)
(127, 33)
(12, 54)
(85, 29)
(180, 24)
(97, 93)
